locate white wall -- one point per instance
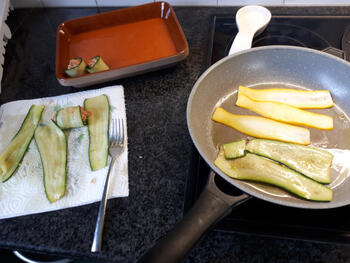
(92, 3)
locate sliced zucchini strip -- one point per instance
(286, 113)
(311, 162)
(13, 154)
(96, 64)
(262, 127)
(76, 67)
(98, 126)
(234, 149)
(255, 168)
(305, 99)
(70, 117)
(52, 145)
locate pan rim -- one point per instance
(310, 204)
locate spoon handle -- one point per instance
(242, 41)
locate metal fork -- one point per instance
(116, 147)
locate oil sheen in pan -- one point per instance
(336, 141)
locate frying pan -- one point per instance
(270, 66)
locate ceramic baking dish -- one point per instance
(130, 41)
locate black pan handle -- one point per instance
(210, 207)
(335, 52)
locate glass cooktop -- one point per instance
(256, 216)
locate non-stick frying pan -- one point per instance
(272, 66)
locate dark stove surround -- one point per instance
(256, 216)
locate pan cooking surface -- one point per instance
(274, 67)
(332, 140)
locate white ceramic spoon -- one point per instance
(251, 20)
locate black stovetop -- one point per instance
(317, 32)
(257, 216)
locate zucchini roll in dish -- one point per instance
(96, 64)
(76, 67)
(71, 117)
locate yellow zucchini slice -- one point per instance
(262, 127)
(286, 113)
(304, 99)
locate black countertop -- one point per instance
(160, 150)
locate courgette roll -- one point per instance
(98, 127)
(71, 117)
(13, 154)
(96, 64)
(76, 67)
(52, 145)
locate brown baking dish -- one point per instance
(130, 41)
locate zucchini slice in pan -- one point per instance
(98, 126)
(286, 113)
(13, 154)
(256, 168)
(311, 162)
(262, 127)
(52, 145)
(234, 149)
(71, 117)
(304, 99)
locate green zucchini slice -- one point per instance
(234, 149)
(70, 117)
(13, 154)
(256, 168)
(311, 162)
(96, 64)
(52, 145)
(76, 67)
(98, 126)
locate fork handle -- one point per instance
(97, 241)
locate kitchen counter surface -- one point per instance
(160, 150)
